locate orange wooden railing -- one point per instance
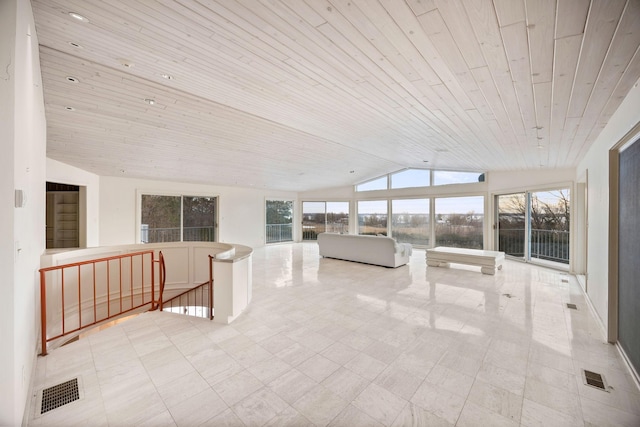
(79, 295)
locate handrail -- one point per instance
(194, 291)
(102, 286)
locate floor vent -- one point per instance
(565, 281)
(59, 395)
(572, 306)
(594, 379)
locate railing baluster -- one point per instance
(79, 300)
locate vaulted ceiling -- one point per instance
(305, 94)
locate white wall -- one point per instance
(241, 210)
(22, 165)
(596, 162)
(89, 221)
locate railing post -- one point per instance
(43, 313)
(154, 305)
(211, 287)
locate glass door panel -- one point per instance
(410, 221)
(550, 218)
(279, 221)
(512, 216)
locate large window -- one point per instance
(411, 178)
(455, 177)
(279, 221)
(319, 217)
(374, 184)
(372, 217)
(459, 222)
(177, 218)
(410, 221)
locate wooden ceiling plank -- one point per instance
(510, 12)
(571, 17)
(458, 23)
(541, 30)
(601, 25)
(517, 50)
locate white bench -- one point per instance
(488, 261)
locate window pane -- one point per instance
(376, 184)
(199, 219)
(459, 222)
(410, 221)
(160, 219)
(279, 221)
(550, 214)
(337, 217)
(453, 177)
(410, 178)
(372, 217)
(313, 219)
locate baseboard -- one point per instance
(594, 312)
(627, 362)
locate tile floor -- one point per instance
(328, 342)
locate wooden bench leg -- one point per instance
(436, 263)
(488, 270)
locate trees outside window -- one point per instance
(279, 221)
(177, 218)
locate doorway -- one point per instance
(62, 216)
(534, 226)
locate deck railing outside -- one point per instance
(278, 233)
(550, 245)
(79, 295)
(189, 234)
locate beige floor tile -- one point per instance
(320, 405)
(379, 403)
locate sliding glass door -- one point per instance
(535, 225)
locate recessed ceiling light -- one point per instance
(78, 17)
(72, 79)
(76, 45)
(126, 63)
(540, 147)
(150, 101)
(68, 108)
(167, 76)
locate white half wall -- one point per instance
(22, 166)
(596, 162)
(89, 197)
(241, 212)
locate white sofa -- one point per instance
(378, 250)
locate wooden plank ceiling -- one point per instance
(306, 94)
